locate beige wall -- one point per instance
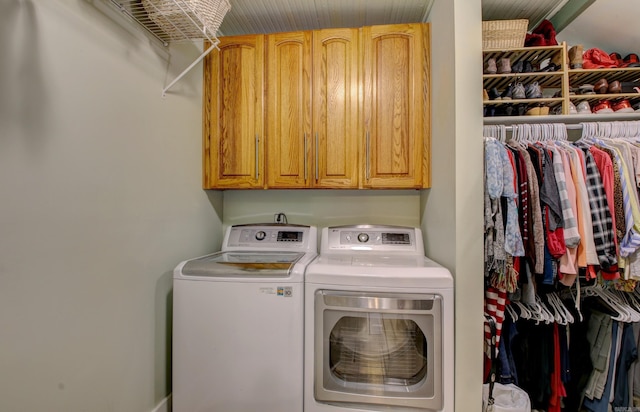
(452, 209)
(101, 198)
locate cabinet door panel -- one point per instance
(335, 108)
(395, 105)
(233, 130)
(288, 109)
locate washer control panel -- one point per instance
(268, 236)
(381, 238)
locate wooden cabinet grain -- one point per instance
(396, 106)
(233, 102)
(312, 109)
(333, 108)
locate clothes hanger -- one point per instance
(511, 311)
(566, 316)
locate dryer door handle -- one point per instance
(380, 302)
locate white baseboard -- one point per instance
(164, 405)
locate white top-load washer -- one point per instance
(238, 322)
(378, 323)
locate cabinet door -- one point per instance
(335, 108)
(396, 110)
(234, 114)
(288, 109)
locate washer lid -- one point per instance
(242, 264)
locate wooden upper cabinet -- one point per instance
(288, 109)
(312, 109)
(396, 106)
(233, 94)
(336, 111)
(334, 108)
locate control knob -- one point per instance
(260, 235)
(363, 237)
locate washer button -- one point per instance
(260, 235)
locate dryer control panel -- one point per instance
(379, 238)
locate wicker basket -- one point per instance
(504, 34)
(187, 19)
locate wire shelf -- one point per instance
(177, 21)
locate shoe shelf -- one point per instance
(578, 77)
(556, 85)
(545, 79)
(590, 76)
(547, 65)
(535, 55)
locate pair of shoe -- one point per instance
(502, 66)
(572, 109)
(619, 106)
(522, 66)
(537, 110)
(630, 60)
(603, 87)
(519, 109)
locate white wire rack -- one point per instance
(178, 21)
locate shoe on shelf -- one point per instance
(533, 91)
(601, 86)
(616, 57)
(586, 89)
(631, 60)
(622, 106)
(636, 106)
(518, 91)
(533, 111)
(614, 87)
(508, 92)
(504, 65)
(602, 107)
(630, 87)
(548, 66)
(485, 95)
(490, 67)
(583, 107)
(575, 56)
(494, 94)
(517, 67)
(572, 108)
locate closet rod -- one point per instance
(569, 127)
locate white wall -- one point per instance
(452, 217)
(101, 198)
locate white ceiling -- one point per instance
(611, 25)
(270, 16)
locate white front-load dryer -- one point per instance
(378, 324)
(238, 322)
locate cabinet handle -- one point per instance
(316, 155)
(305, 155)
(257, 156)
(367, 163)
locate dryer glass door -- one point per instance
(378, 349)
